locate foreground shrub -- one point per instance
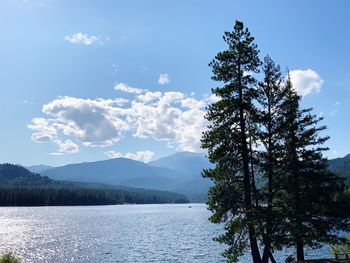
(9, 258)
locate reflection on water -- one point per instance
(140, 233)
(125, 233)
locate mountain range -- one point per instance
(179, 173)
(21, 187)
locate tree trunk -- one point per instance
(268, 255)
(246, 180)
(269, 220)
(265, 258)
(300, 250)
(297, 212)
(272, 258)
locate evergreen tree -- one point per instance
(309, 192)
(271, 96)
(231, 197)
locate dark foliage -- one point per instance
(226, 140)
(20, 187)
(73, 196)
(309, 194)
(271, 181)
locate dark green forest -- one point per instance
(20, 187)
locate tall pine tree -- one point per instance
(309, 192)
(227, 142)
(271, 97)
(297, 202)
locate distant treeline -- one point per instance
(73, 196)
(20, 187)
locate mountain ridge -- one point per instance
(341, 166)
(19, 186)
(39, 168)
(180, 172)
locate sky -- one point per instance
(90, 80)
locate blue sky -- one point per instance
(89, 80)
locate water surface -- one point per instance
(123, 233)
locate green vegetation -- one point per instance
(19, 187)
(76, 196)
(272, 185)
(342, 247)
(9, 258)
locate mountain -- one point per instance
(186, 162)
(179, 173)
(119, 171)
(192, 164)
(19, 186)
(15, 175)
(341, 166)
(39, 168)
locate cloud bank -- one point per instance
(173, 117)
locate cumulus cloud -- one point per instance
(144, 156)
(125, 88)
(96, 122)
(83, 38)
(149, 96)
(43, 131)
(67, 146)
(306, 81)
(164, 79)
(173, 117)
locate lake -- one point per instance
(122, 233)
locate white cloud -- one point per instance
(67, 146)
(82, 38)
(144, 156)
(43, 131)
(306, 81)
(164, 79)
(125, 88)
(149, 96)
(56, 154)
(95, 122)
(173, 117)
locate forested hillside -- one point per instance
(18, 186)
(341, 166)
